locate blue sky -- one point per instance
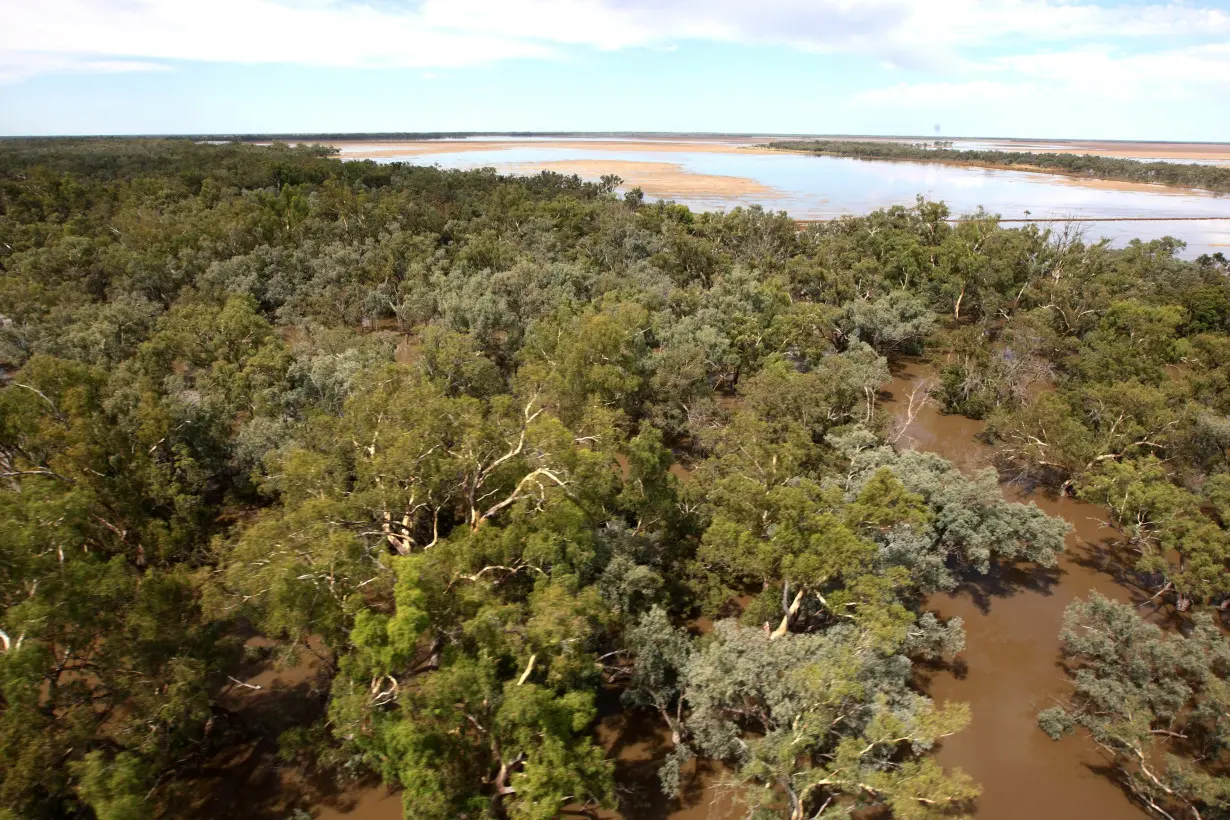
(1027, 68)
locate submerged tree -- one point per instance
(1185, 550)
(484, 445)
(1157, 704)
(807, 723)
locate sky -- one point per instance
(996, 68)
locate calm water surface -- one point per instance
(811, 187)
(1011, 661)
(1008, 671)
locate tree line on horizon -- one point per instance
(1215, 178)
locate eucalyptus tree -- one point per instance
(1156, 703)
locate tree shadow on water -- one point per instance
(926, 670)
(638, 741)
(1007, 580)
(1109, 556)
(243, 775)
(1116, 776)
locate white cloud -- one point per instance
(17, 66)
(1090, 74)
(903, 32)
(89, 34)
(106, 35)
(1175, 72)
(941, 94)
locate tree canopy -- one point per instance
(501, 451)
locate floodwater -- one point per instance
(1007, 673)
(1010, 668)
(1193, 153)
(821, 187)
(246, 780)
(638, 742)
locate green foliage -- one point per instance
(1134, 688)
(1132, 341)
(483, 444)
(1190, 175)
(983, 374)
(830, 716)
(1161, 520)
(114, 789)
(841, 536)
(895, 322)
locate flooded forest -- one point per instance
(353, 490)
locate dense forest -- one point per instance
(500, 452)
(1189, 175)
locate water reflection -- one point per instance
(811, 187)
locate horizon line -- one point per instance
(360, 136)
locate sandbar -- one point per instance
(721, 143)
(385, 150)
(667, 179)
(1190, 151)
(1125, 185)
(658, 179)
(1217, 152)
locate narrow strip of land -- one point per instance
(393, 149)
(1213, 178)
(1072, 219)
(659, 179)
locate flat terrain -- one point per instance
(658, 179)
(378, 150)
(1181, 151)
(718, 172)
(673, 180)
(1177, 151)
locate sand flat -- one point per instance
(385, 150)
(1191, 151)
(706, 173)
(1123, 185)
(1218, 152)
(658, 179)
(719, 143)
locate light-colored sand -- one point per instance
(1120, 185)
(377, 150)
(1218, 152)
(670, 180)
(656, 179)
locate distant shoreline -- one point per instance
(1068, 177)
(1124, 149)
(1072, 161)
(1198, 151)
(384, 149)
(680, 181)
(1201, 149)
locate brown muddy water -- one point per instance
(1010, 667)
(1007, 673)
(246, 780)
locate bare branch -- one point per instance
(529, 667)
(919, 397)
(517, 492)
(43, 396)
